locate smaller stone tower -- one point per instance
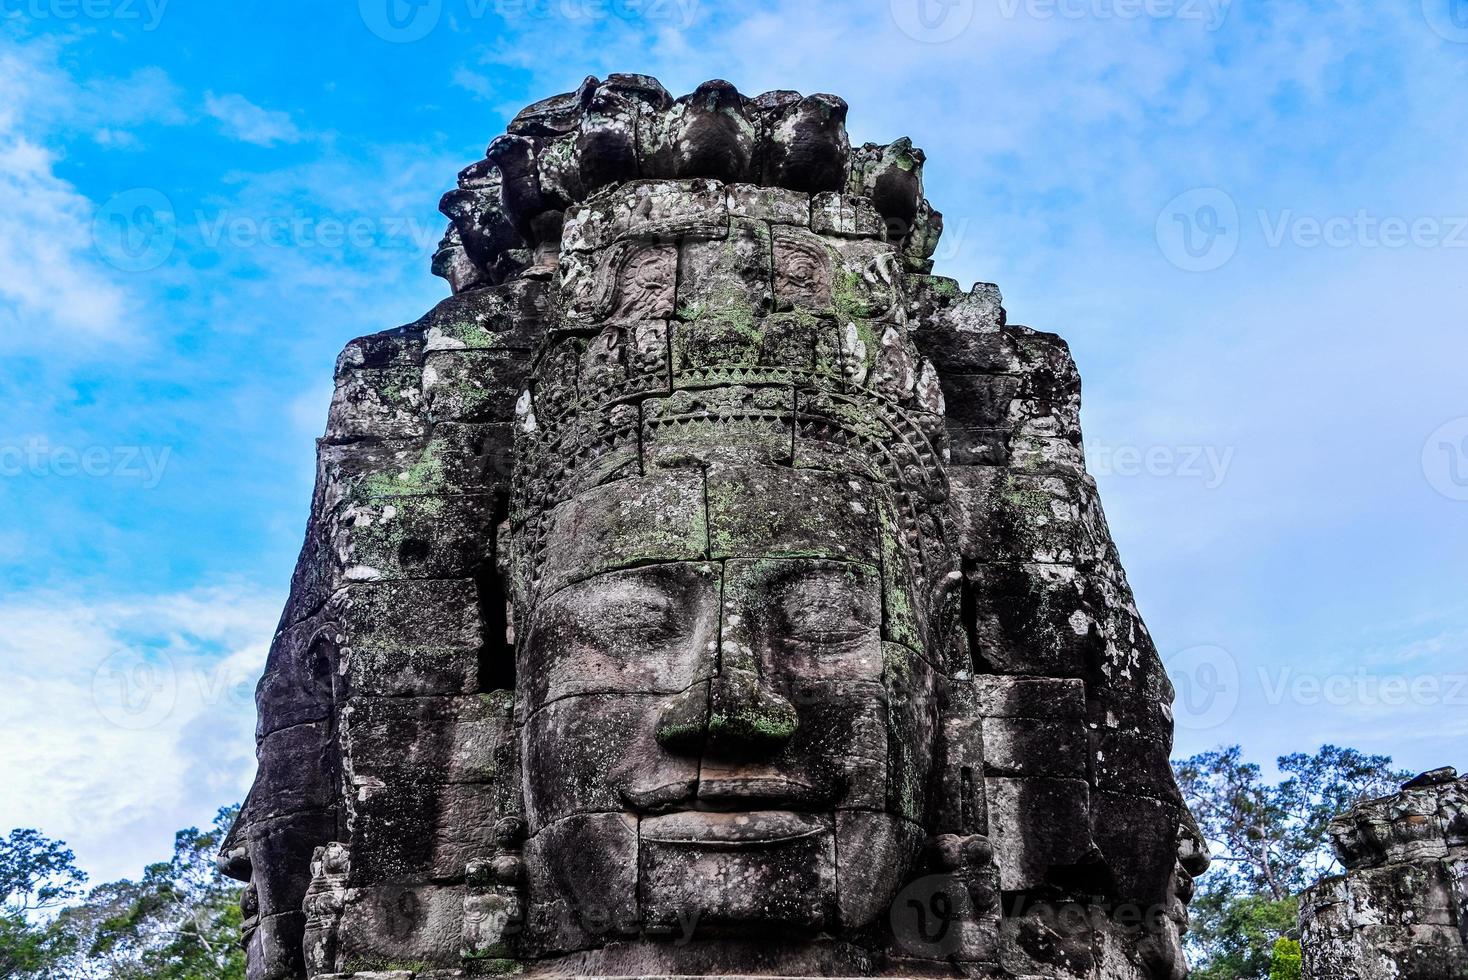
(1400, 912)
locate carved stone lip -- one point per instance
(725, 830)
(729, 793)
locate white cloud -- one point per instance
(473, 82)
(56, 285)
(52, 283)
(128, 717)
(249, 123)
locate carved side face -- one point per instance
(722, 741)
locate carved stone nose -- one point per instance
(683, 721)
(733, 716)
(746, 717)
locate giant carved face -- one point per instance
(739, 497)
(716, 734)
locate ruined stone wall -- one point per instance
(1400, 912)
(386, 827)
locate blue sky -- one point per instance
(1249, 219)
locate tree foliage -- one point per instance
(37, 875)
(1233, 933)
(179, 921)
(1269, 842)
(1270, 838)
(1288, 960)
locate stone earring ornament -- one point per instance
(710, 588)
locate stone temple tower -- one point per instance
(1400, 910)
(706, 587)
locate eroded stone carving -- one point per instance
(706, 587)
(1401, 909)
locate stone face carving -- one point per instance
(1401, 909)
(706, 587)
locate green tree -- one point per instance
(37, 876)
(1270, 838)
(1288, 960)
(1269, 841)
(1233, 933)
(181, 921)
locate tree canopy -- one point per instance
(1269, 842)
(179, 921)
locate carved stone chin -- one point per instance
(706, 587)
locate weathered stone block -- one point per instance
(512, 316)
(420, 637)
(618, 757)
(1136, 838)
(659, 517)
(274, 951)
(399, 740)
(773, 204)
(1000, 696)
(870, 847)
(1032, 747)
(775, 882)
(1040, 829)
(597, 860)
(638, 631)
(287, 843)
(414, 536)
(391, 927)
(1132, 763)
(377, 403)
(297, 768)
(770, 511)
(297, 687)
(724, 275)
(473, 385)
(850, 216)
